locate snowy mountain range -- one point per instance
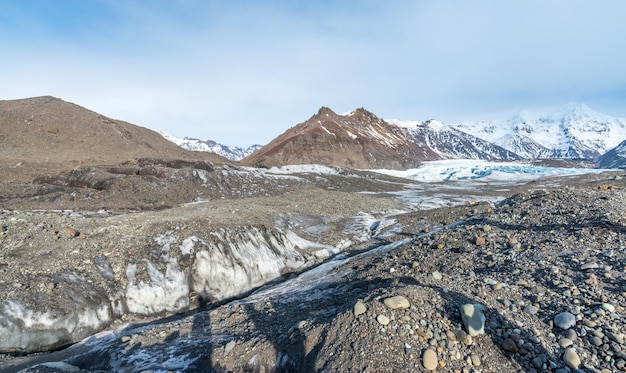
(233, 153)
(451, 143)
(573, 131)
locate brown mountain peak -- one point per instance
(356, 140)
(325, 112)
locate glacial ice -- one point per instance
(227, 263)
(167, 291)
(24, 330)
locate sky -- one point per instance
(242, 72)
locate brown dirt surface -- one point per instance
(42, 135)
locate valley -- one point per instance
(155, 258)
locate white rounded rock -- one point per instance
(473, 318)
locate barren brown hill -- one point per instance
(47, 134)
(357, 140)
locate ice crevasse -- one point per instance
(224, 264)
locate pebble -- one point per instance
(608, 307)
(565, 320)
(531, 310)
(429, 359)
(571, 358)
(475, 360)
(596, 341)
(618, 338)
(71, 232)
(382, 319)
(565, 342)
(571, 335)
(229, 346)
(490, 281)
(509, 345)
(437, 275)
(473, 318)
(589, 265)
(397, 303)
(125, 339)
(359, 308)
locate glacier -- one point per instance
(229, 262)
(482, 171)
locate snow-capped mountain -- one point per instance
(451, 143)
(231, 152)
(614, 158)
(573, 131)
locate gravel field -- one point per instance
(535, 283)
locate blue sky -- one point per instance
(242, 72)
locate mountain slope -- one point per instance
(357, 140)
(47, 133)
(614, 158)
(233, 153)
(572, 131)
(452, 143)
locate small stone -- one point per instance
(565, 342)
(359, 308)
(608, 307)
(531, 310)
(571, 335)
(565, 320)
(125, 339)
(382, 319)
(590, 323)
(596, 341)
(480, 241)
(429, 359)
(473, 318)
(71, 232)
(498, 286)
(229, 346)
(537, 362)
(589, 265)
(490, 281)
(397, 303)
(407, 348)
(509, 345)
(475, 360)
(437, 275)
(592, 279)
(618, 338)
(459, 335)
(571, 358)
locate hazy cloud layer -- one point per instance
(241, 72)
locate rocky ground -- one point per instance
(546, 267)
